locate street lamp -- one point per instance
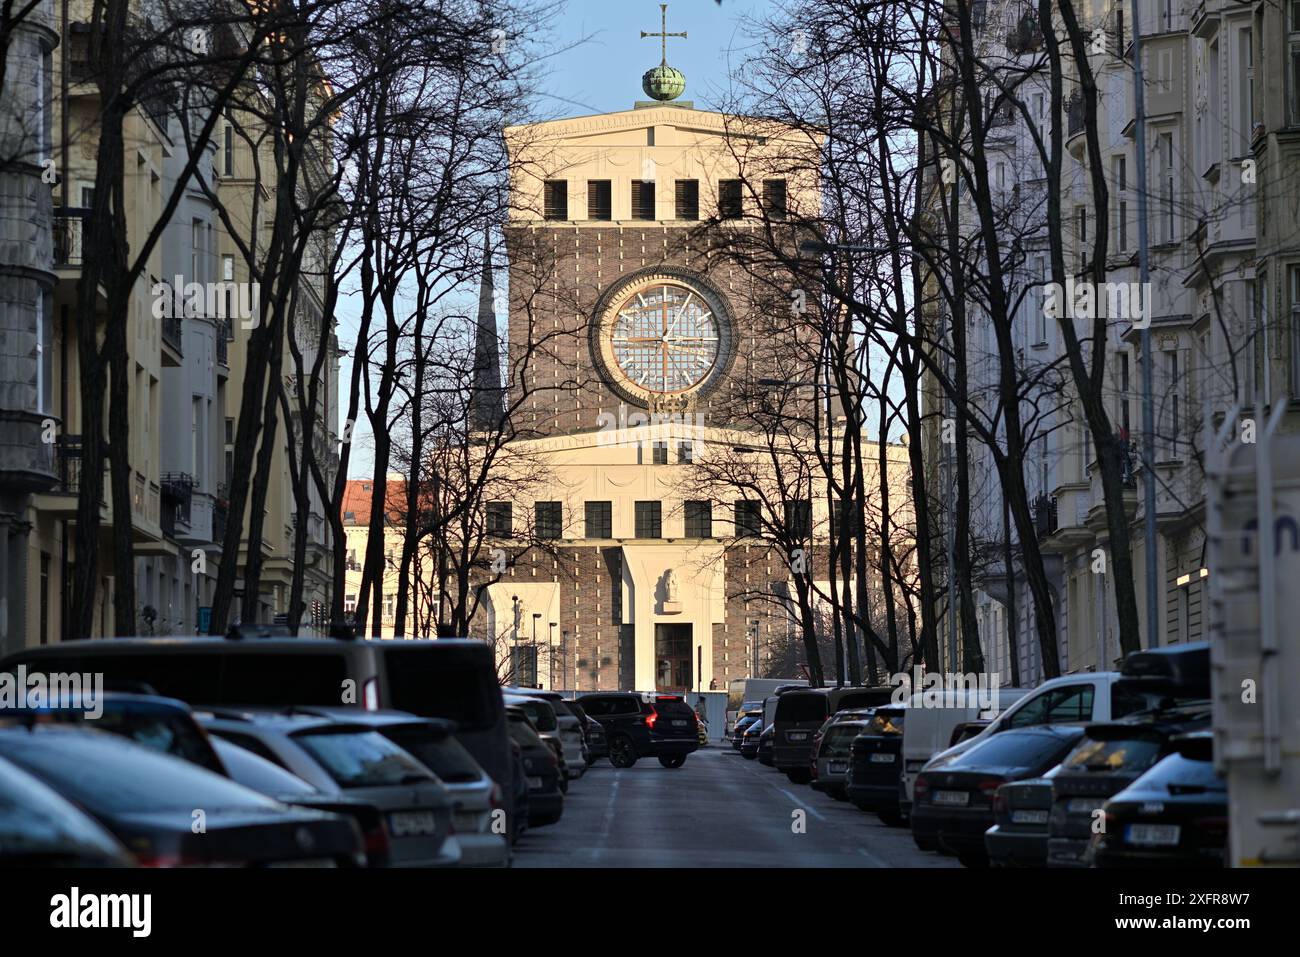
(550, 656)
(536, 616)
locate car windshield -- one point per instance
(34, 816)
(440, 753)
(110, 775)
(522, 733)
(1015, 749)
(540, 713)
(839, 739)
(806, 706)
(1178, 774)
(254, 771)
(436, 683)
(359, 759)
(164, 730)
(885, 722)
(1121, 754)
(674, 707)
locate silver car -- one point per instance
(349, 758)
(478, 814)
(549, 716)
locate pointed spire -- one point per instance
(486, 398)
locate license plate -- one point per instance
(1084, 805)
(465, 822)
(883, 758)
(1160, 835)
(797, 736)
(1028, 817)
(412, 823)
(534, 782)
(679, 724)
(310, 862)
(952, 798)
(839, 767)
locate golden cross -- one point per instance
(663, 33)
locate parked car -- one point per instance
(1018, 837)
(541, 770)
(839, 717)
(553, 742)
(1175, 815)
(831, 759)
(765, 755)
(40, 828)
(749, 740)
(254, 771)
(477, 800)
(1176, 682)
(801, 712)
(550, 716)
(953, 799)
(350, 758)
(876, 764)
(743, 724)
(518, 821)
(644, 725)
(151, 802)
(163, 724)
(451, 678)
(597, 741)
(1111, 757)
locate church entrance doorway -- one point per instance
(673, 658)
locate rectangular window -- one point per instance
(649, 520)
(747, 518)
(523, 663)
(730, 200)
(1081, 235)
(687, 196)
(1123, 393)
(774, 198)
(1293, 60)
(643, 199)
(1168, 193)
(660, 453)
(600, 199)
(1175, 386)
(500, 519)
(1293, 335)
(1121, 203)
(699, 519)
(600, 520)
(1245, 90)
(685, 453)
(798, 518)
(228, 150)
(556, 199)
(549, 519)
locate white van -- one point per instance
(1065, 700)
(742, 690)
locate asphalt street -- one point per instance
(717, 810)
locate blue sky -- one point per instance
(603, 74)
(599, 71)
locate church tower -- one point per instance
(637, 338)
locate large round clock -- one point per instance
(662, 335)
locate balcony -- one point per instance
(69, 228)
(177, 493)
(1045, 516)
(172, 340)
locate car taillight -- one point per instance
(1215, 825)
(651, 718)
(495, 797)
(1001, 803)
(167, 860)
(370, 695)
(920, 789)
(377, 846)
(989, 786)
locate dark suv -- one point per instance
(644, 725)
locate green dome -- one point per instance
(664, 82)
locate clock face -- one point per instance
(664, 337)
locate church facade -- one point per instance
(638, 339)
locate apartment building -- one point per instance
(1222, 124)
(183, 389)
